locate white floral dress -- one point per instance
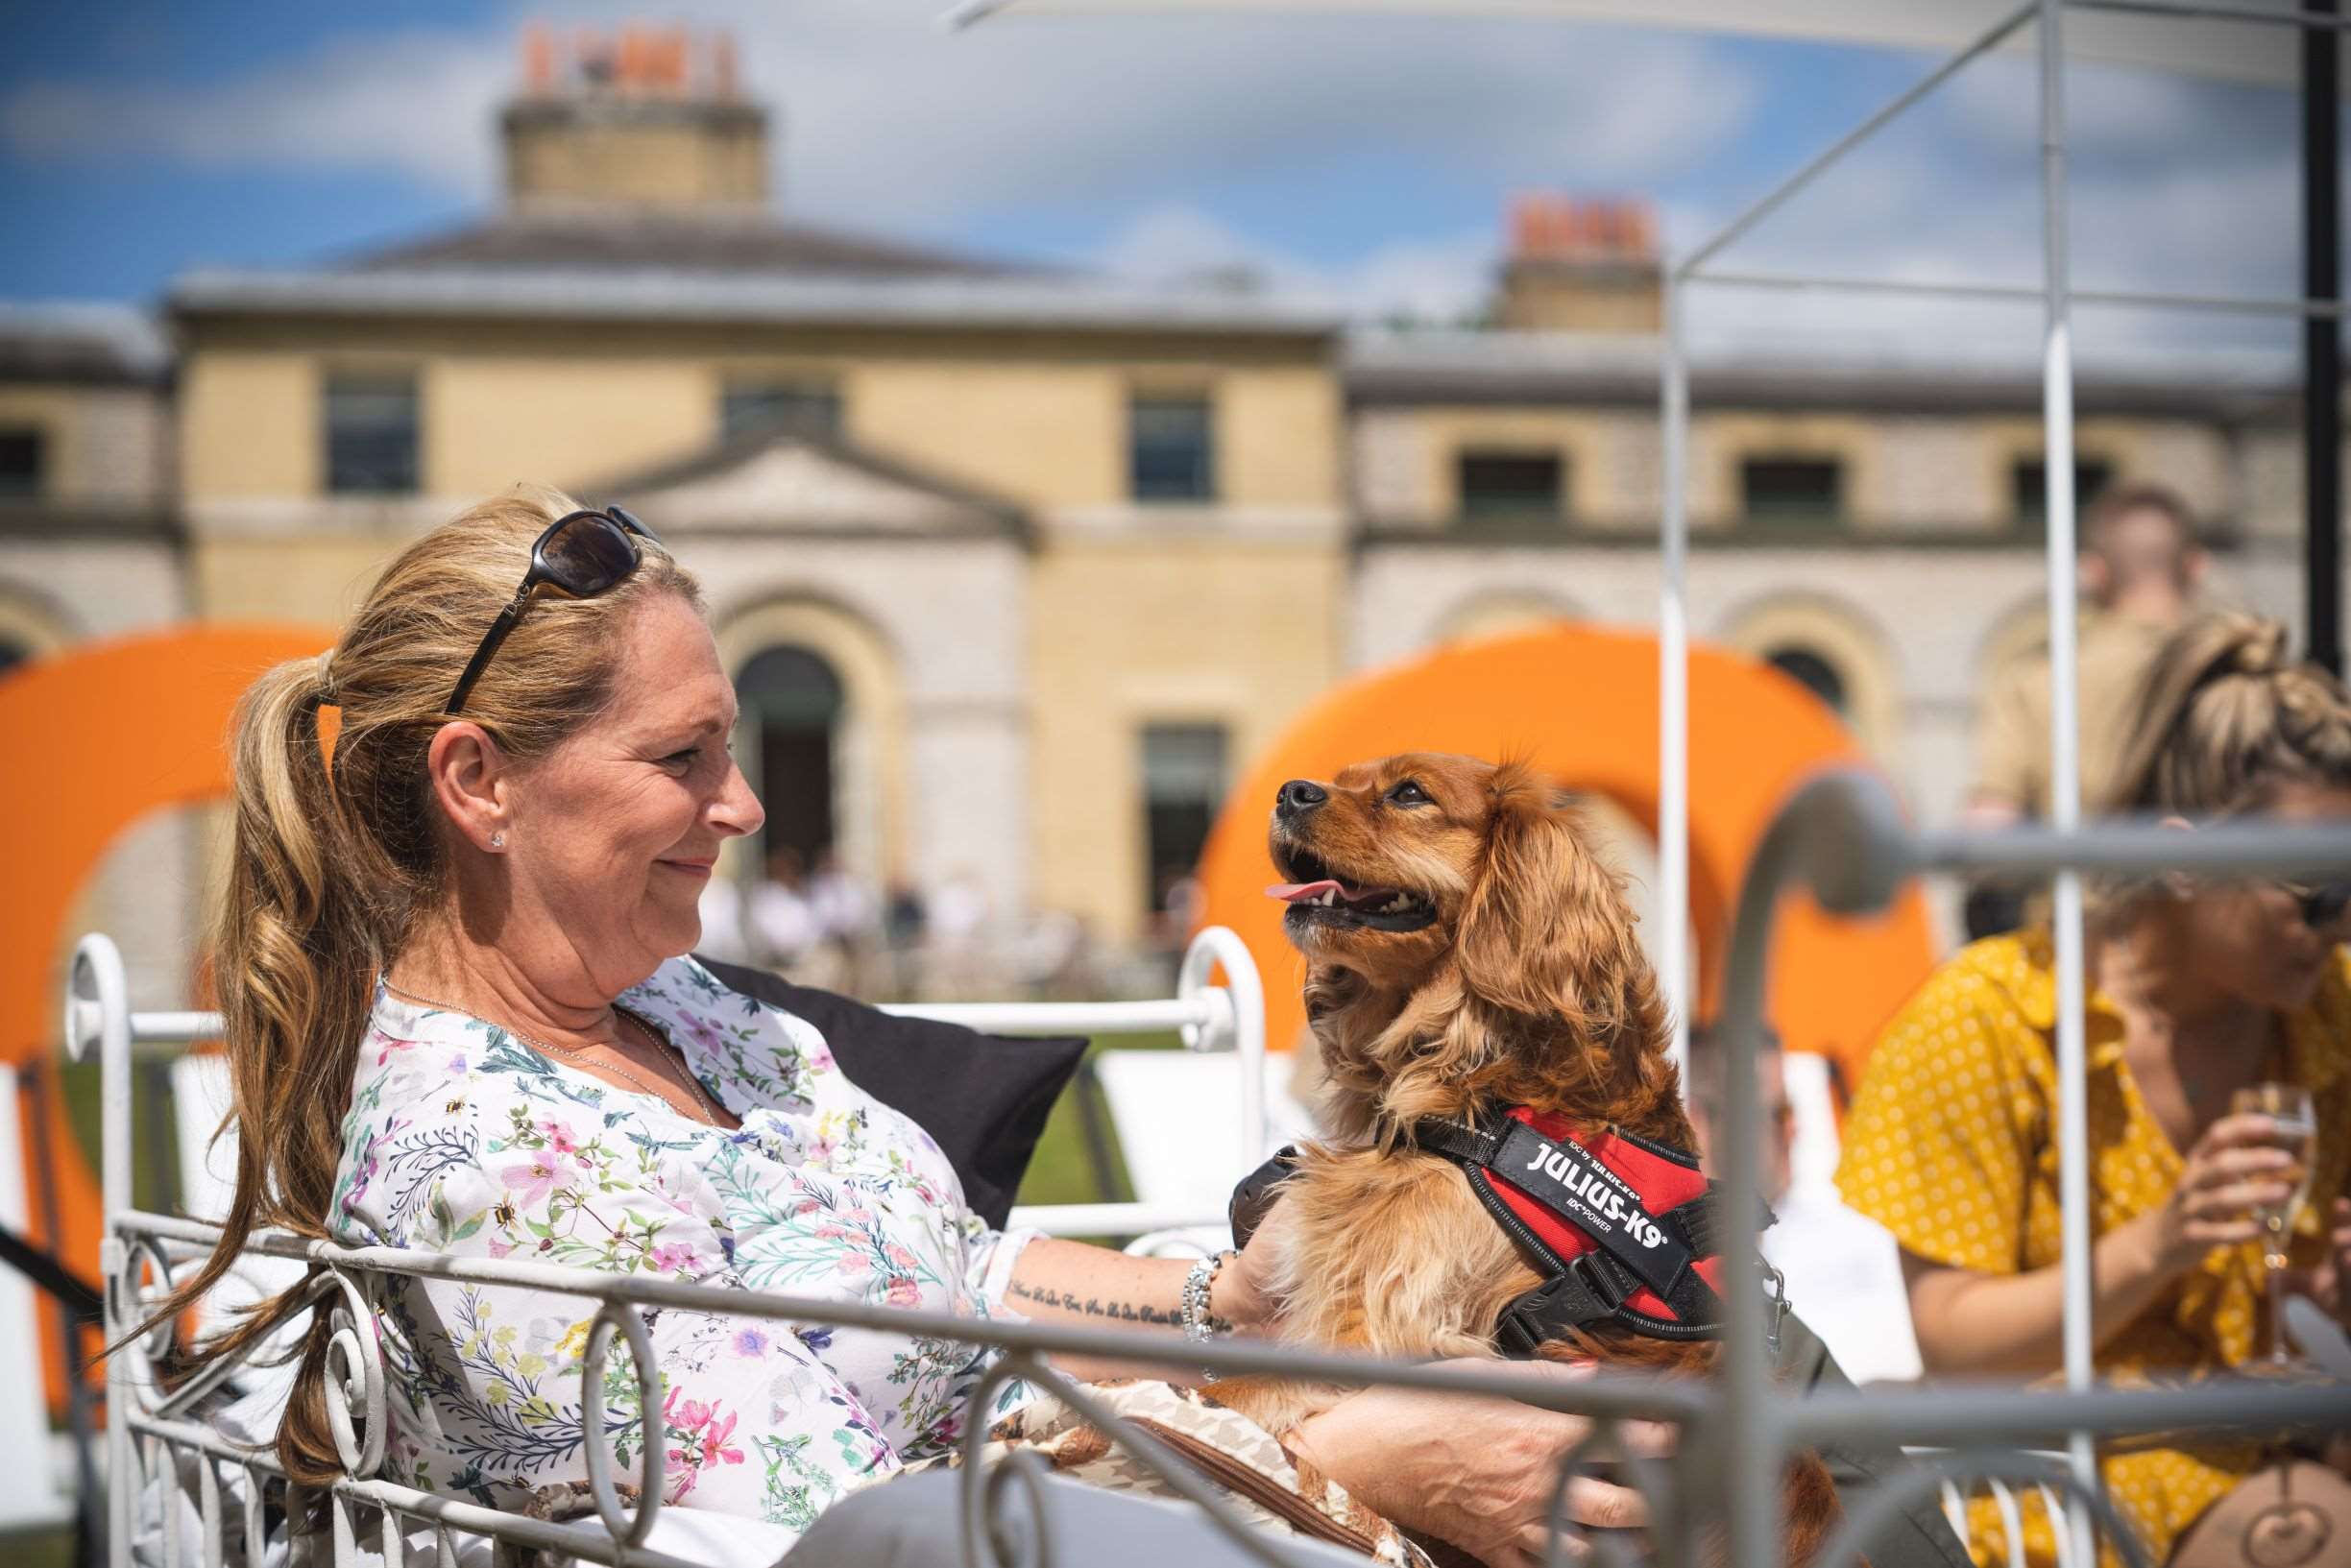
(463, 1141)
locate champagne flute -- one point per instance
(2295, 1121)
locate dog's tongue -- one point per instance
(1300, 892)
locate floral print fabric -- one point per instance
(463, 1141)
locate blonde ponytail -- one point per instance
(2225, 716)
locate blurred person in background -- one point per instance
(1842, 1272)
(2198, 990)
(781, 918)
(844, 911)
(904, 920)
(723, 935)
(1706, 1106)
(2141, 569)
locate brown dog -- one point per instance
(1467, 952)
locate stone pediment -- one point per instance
(801, 482)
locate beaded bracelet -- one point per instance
(1196, 1286)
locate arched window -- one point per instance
(1813, 671)
(791, 706)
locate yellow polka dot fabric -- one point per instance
(1952, 1145)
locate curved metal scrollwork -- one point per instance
(355, 1377)
(1891, 1496)
(980, 1500)
(622, 1318)
(134, 1302)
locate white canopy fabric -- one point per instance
(2259, 52)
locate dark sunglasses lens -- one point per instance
(587, 555)
(2323, 904)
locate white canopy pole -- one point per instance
(1673, 676)
(2065, 759)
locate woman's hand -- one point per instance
(1477, 1473)
(1246, 1292)
(2231, 1169)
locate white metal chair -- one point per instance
(28, 1495)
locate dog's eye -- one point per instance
(1408, 793)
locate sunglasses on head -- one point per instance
(581, 555)
(2322, 902)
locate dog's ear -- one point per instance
(1546, 932)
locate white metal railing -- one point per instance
(1841, 837)
(1207, 1018)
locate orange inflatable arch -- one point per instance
(1582, 703)
(101, 735)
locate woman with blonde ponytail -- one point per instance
(2199, 989)
(460, 1019)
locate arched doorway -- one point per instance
(792, 704)
(865, 769)
(1813, 670)
(1832, 650)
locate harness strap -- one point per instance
(1698, 1224)
(1595, 1286)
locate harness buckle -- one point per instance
(1778, 1306)
(1576, 1295)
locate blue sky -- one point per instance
(1369, 156)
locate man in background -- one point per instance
(1841, 1272)
(2141, 569)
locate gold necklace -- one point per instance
(661, 1048)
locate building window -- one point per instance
(1171, 456)
(22, 454)
(1504, 484)
(747, 407)
(371, 435)
(2028, 486)
(1812, 671)
(1183, 784)
(1792, 490)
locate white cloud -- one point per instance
(1431, 280)
(2175, 187)
(891, 120)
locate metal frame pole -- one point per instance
(2321, 336)
(98, 1012)
(2065, 760)
(1674, 957)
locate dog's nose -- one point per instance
(1300, 795)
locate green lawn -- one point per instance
(1061, 1171)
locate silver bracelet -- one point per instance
(1196, 1284)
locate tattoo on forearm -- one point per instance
(1123, 1312)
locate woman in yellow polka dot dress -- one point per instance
(2198, 990)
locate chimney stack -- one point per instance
(641, 117)
(1580, 265)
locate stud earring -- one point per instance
(497, 841)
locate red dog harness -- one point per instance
(1624, 1230)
